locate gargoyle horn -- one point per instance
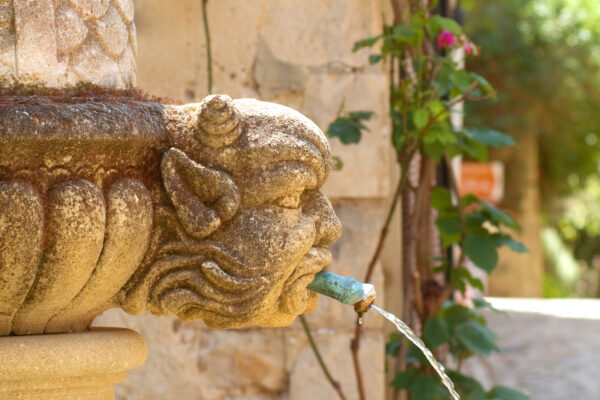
(219, 123)
(203, 197)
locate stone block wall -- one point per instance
(296, 53)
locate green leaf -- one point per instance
(474, 149)
(505, 393)
(489, 137)
(414, 355)
(392, 348)
(369, 42)
(455, 314)
(462, 80)
(336, 163)
(476, 337)
(421, 118)
(375, 58)
(467, 386)
(405, 379)
(482, 251)
(441, 134)
(465, 274)
(434, 150)
(449, 239)
(403, 33)
(349, 128)
(427, 387)
(441, 199)
(438, 23)
(469, 199)
(485, 85)
(483, 303)
(456, 281)
(435, 106)
(506, 240)
(500, 217)
(361, 115)
(449, 224)
(398, 138)
(345, 130)
(435, 332)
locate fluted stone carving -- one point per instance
(63, 42)
(207, 210)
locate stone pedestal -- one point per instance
(84, 365)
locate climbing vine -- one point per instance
(427, 85)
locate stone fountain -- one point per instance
(109, 198)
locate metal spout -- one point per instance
(345, 290)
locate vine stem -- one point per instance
(461, 213)
(208, 46)
(336, 385)
(355, 342)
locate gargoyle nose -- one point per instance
(328, 226)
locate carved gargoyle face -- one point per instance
(243, 178)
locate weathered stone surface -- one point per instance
(112, 32)
(59, 43)
(21, 230)
(274, 77)
(307, 380)
(128, 226)
(248, 241)
(90, 9)
(215, 214)
(75, 366)
(133, 39)
(127, 67)
(334, 27)
(187, 360)
(75, 232)
(36, 42)
(71, 30)
(91, 63)
(8, 66)
(366, 166)
(125, 8)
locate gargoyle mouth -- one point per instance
(295, 296)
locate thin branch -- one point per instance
(208, 50)
(355, 342)
(355, 347)
(336, 385)
(461, 213)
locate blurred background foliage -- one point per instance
(543, 57)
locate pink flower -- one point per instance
(446, 38)
(468, 48)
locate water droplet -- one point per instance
(360, 320)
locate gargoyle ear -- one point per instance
(203, 198)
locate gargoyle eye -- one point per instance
(291, 200)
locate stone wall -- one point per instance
(297, 53)
(60, 43)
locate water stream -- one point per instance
(410, 335)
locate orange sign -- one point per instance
(485, 181)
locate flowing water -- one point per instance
(410, 335)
